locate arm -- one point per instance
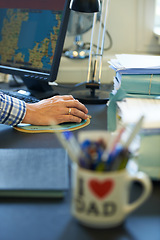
(57, 109)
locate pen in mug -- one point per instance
(122, 157)
(112, 157)
(67, 146)
(111, 148)
(136, 129)
(73, 147)
(117, 139)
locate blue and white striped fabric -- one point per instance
(12, 110)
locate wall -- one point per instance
(128, 26)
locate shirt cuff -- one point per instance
(14, 111)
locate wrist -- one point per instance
(30, 114)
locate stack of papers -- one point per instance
(148, 84)
(135, 64)
(131, 109)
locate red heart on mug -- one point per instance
(101, 188)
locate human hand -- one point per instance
(57, 109)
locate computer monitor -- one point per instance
(32, 34)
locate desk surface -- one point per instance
(30, 219)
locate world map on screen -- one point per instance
(28, 37)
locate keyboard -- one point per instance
(25, 98)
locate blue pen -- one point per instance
(74, 145)
(69, 143)
(93, 151)
(85, 158)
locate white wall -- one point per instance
(130, 26)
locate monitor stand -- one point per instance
(39, 88)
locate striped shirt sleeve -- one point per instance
(12, 110)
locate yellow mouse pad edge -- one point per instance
(28, 128)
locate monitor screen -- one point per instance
(32, 34)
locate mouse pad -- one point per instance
(28, 128)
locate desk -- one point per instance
(29, 219)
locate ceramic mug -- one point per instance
(101, 199)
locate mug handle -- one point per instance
(144, 180)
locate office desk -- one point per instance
(29, 219)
